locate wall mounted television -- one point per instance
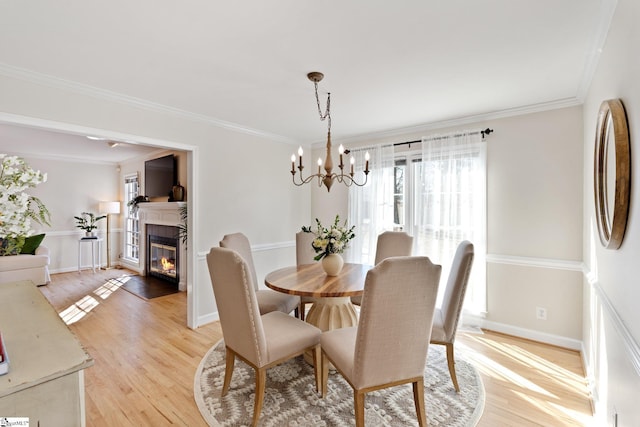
(160, 175)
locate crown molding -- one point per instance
(476, 118)
(94, 92)
(597, 42)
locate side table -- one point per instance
(93, 242)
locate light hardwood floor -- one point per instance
(145, 360)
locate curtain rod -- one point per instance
(487, 131)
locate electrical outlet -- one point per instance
(541, 313)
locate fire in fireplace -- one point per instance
(163, 258)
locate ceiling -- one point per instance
(390, 66)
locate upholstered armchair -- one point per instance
(305, 254)
(262, 341)
(390, 243)
(268, 300)
(445, 319)
(34, 267)
(387, 347)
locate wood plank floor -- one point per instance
(146, 358)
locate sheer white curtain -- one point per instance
(451, 207)
(371, 206)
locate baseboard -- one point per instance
(591, 381)
(530, 334)
(85, 268)
(69, 269)
(207, 318)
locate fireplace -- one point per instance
(161, 219)
(163, 259)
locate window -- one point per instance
(132, 223)
(438, 197)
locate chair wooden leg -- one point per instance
(358, 399)
(418, 399)
(317, 367)
(301, 311)
(261, 379)
(230, 359)
(296, 312)
(325, 374)
(452, 366)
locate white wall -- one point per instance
(236, 184)
(534, 225)
(612, 294)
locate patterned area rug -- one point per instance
(291, 400)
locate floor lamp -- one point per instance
(109, 208)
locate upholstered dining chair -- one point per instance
(384, 349)
(445, 319)
(305, 254)
(390, 243)
(268, 299)
(262, 341)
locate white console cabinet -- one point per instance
(45, 382)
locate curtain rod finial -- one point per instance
(487, 131)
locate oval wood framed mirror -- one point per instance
(612, 170)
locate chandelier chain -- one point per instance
(327, 113)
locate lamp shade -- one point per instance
(109, 207)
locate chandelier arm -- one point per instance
(303, 180)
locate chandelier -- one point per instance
(329, 176)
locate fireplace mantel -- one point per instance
(161, 213)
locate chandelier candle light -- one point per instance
(328, 177)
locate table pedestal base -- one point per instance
(331, 313)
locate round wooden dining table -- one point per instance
(332, 308)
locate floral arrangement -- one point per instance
(333, 240)
(17, 208)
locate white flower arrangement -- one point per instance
(17, 208)
(333, 240)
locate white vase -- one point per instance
(332, 264)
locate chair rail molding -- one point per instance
(559, 264)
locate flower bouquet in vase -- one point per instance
(18, 209)
(330, 243)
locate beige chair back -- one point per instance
(456, 288)
(305, 253)
(237, 305)
(390, 244)
(410, 286)
(240, 244)
(393, 243)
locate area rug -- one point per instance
(291, 400)
(147, 287)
